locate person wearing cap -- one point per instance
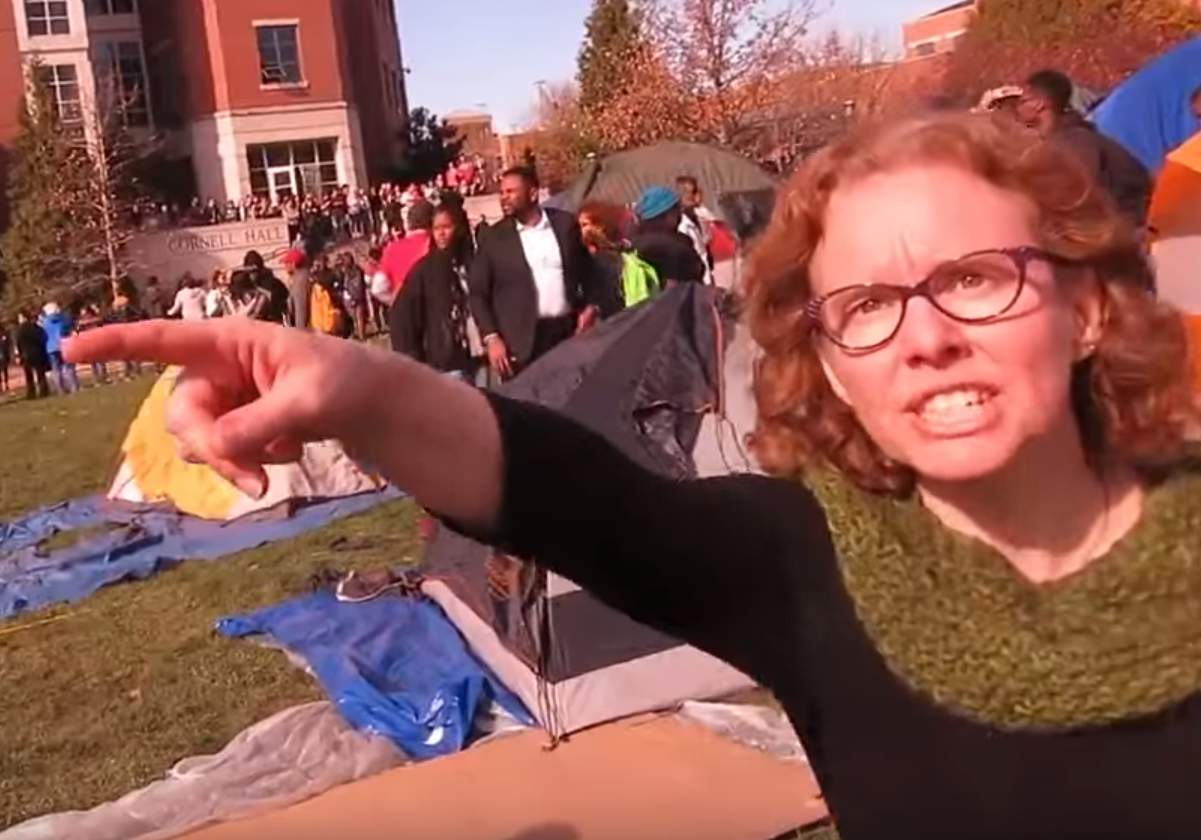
(658, 239)
(532, 282)
(1001, 101)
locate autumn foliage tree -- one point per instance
(703, 70)
(730, 55)
(1097, 42)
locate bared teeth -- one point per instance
(952, 402)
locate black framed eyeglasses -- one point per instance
(978, 287)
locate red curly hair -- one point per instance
(1133, 399)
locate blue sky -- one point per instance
(489, 54)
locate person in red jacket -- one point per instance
(400, 255)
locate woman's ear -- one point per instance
(1089, 306)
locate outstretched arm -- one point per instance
(253, 392)
(712, 562)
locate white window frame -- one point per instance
(263, 165)
(109, 62)
(47, 18)
(302, 80)
(54, 84)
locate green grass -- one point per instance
(63, 447)
(102, 697)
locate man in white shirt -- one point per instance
(695, 220)
(531, 283)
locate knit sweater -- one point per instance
(937, 693)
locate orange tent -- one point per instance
(1175, 218)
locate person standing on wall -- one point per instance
(531, 282)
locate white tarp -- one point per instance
(285, 759)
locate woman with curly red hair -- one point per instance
(973, 581)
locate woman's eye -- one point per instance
(866, 306)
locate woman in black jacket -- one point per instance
(429, 317)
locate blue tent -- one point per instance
(1149, 113)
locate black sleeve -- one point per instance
(406, 320)
(693, 267)
(479, 286)
(713, 562)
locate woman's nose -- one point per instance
(929, 337)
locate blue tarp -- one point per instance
(1150, 113)
(393, 666)
(138, 541)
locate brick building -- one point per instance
(261, 96)
(475, 127)
(937, 32)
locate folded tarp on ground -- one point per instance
(133, 542)
(393, 666)
(287, 758)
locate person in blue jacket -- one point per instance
(57, 325)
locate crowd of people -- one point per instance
(340, 212)
(449, 293)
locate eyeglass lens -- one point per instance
(975, 288)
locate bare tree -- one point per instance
(730, 55)
(114, 150)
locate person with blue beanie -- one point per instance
(658, 239)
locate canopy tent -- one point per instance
(1149, 113)
(665, 383)
(152, 471)
(1175, 218)
(621, 177)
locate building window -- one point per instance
(279, 54)
(62, 85)
(302, 167)
(386, 75)
(120, 66)
(110, 7)
(47, 17)
(925, 49)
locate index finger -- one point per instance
(166, 342)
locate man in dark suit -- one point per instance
(531, 282)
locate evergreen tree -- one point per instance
(613, 39)
(46, 185)
(432, 146)
(71, 189)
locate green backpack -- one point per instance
(639, 280)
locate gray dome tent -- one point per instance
(743, 191)
(668, 383)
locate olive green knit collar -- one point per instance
(957, 623)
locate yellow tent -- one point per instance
(152, 471)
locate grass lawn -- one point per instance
(110, 693)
